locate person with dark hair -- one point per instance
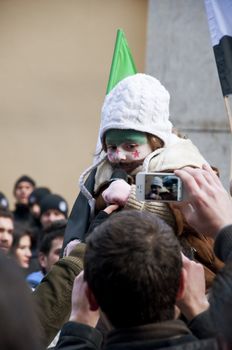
(6, 230)
(52, 297)
(135, 270)
(53, 207)
(209, 206)
(49, 251)
(21, 246)
(133, 273)
(34, 200)
(18, 322)
(22, 189)
(4, 203)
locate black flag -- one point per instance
(219, 13)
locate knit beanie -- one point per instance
(139, 102)
(37, 195)
(54, 201)
(157, 181)
(4, 204)
(24, 178)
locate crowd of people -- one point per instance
(24, 231)
(120, 273)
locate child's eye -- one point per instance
(111, 148)
(130, 146)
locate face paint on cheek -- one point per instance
(112, 155)
(141, 152)
(136, 154)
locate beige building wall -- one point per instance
(54, 67)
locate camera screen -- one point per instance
(162, 187)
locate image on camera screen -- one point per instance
(161, 187)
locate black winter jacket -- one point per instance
(173, 335)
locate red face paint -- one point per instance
(135, 154)
(127, 152)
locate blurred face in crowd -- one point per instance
(23, 191)
(47, 261)
(6, 234)
(35, 210)
(50, 216)
(23, 251)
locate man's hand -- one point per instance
(194, 300)
(208, 207)
(117, 193)
(81, 311)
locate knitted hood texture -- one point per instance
(139, 102)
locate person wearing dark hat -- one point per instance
(53, 208)
(34, 206)
(4, 204)
(22, 190)
(35, 198)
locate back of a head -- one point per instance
(18, 324)
(132, 265)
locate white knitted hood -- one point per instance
(139, 102)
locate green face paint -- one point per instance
(117, 137)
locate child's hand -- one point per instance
(117, 193)
(111, 208)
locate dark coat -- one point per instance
(166, 335)
(79, 219)
(53, 299)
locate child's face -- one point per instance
(127, 148)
